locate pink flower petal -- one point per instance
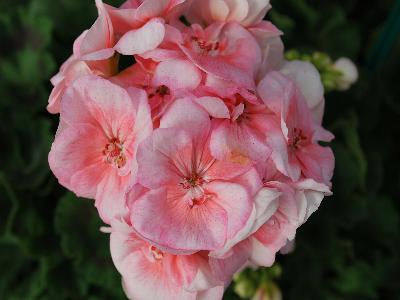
(177, 74)
(161, 216)
(138, 41)
(214, 106)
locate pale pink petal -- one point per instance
(221, 69)
(238, 10)
(214, 106)
(307, 79)
(219, 10)
(146, 281)
(75, 150)
(238, 143)
(185, 114)
(310, 193)
(266, 203)
(161, 216)
(317, 163)
(110, 198)
(156, 154)
(138, 41)
(236, 202)
(177, 74)
(151, 8)
(214, 293)
(98, 55)
(224, 268)
(100, 35)
(257, 11)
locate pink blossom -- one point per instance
(192, 192)
(297, 201)
(94, 153)
(204, 154)
(150, 273)
(241, 130)
(224, 50)
(141, 24)
(245, 12)
(294, 141)
(163, 82)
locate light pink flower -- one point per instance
(163, 82)
(195, 202)
(245, 12)
(141, 24)
(227, 51)
(250, 14)
(297, 201)
(294, 141)
(150, 273)
(239, 127)
(94, 153)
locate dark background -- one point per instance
(50, 245)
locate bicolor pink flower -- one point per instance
(165, 82)
(297, 201)
(250, 14)
(245, 12)
(195, 202)
(296, 204)
(294, 141)
(227, 51)
(141, 24)
(240, 126)
(149, 273)
(94, 153)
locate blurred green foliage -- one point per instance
(50, 243)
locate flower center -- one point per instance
(191, 182)
(161, 91)
(298, 138)
(205, 47)
(113, 153)
(156, 253)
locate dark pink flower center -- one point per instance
(297, 139)
(113, 153)
(161, 91)
(156, 253)
(205, 47)
(192, 182)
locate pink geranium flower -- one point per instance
(195, 202)
(94, 153)
(240, 126)
(297, 201)
(163, 82)
(141, 24)
(245, 12)
(227, 51)
(294, 141)
(150, 273)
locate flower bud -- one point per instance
(349, 73)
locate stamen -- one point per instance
(113, 152)
(156, 253)
(297, 139)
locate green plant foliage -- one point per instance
(50, 243)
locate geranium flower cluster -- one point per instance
(203, 155)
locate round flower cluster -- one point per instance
(203, 154)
